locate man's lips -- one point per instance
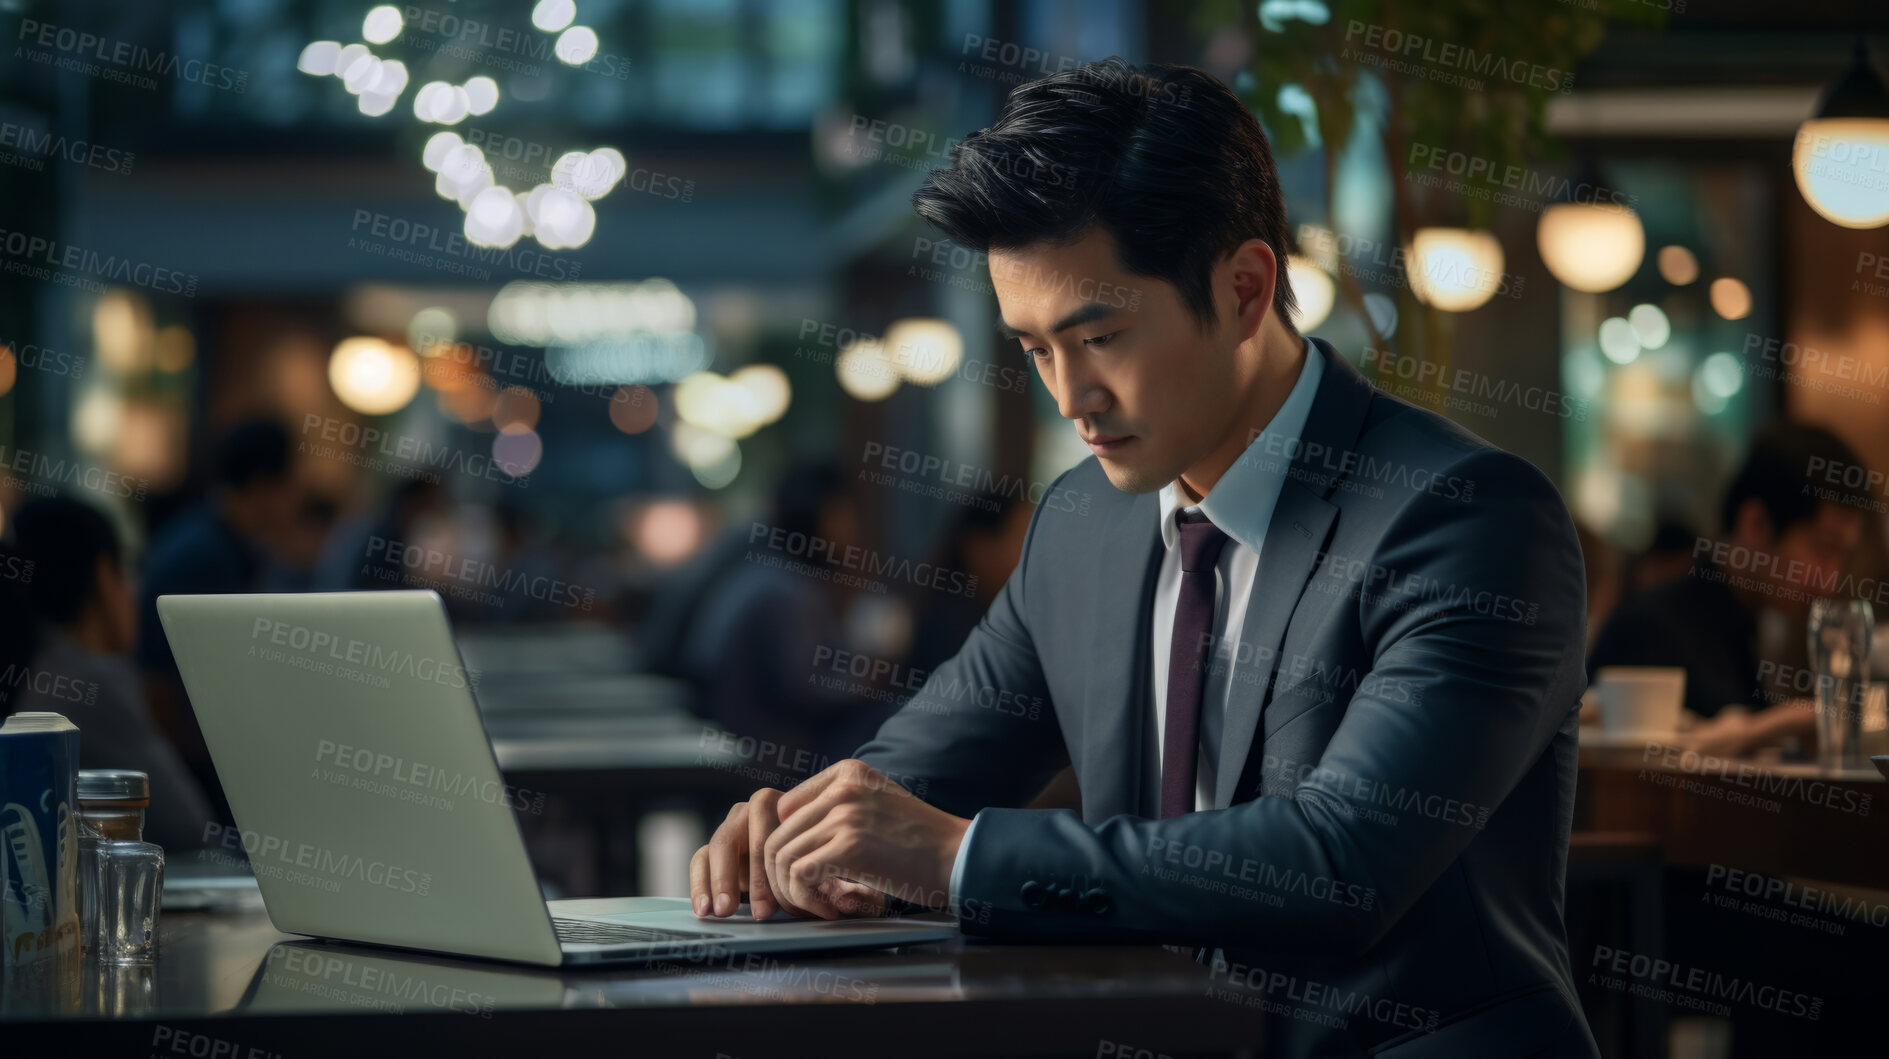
(1108, 442)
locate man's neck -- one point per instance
(1281, 359)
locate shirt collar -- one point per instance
(1242, 501)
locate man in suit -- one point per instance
(1315, 658)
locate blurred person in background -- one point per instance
(751, 640)
(1668, 558)
(294, 565)
(365, 553)
(82, 599)
(1786, 530)
(223, 544)
(984, 541)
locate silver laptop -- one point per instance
(370, 807)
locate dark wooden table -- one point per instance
(229, 985)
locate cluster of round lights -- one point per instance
(558, 215)
(923, 350)
(442, 103)
(376, 82)
(734, 406)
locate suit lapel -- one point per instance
(1118, 694)
(1301, 523)
(1293, 540)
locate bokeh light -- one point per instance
(633, 409)
(373, 376)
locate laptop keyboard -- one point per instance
(592, 932)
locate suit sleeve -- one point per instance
(981, 731)
(1472, 616)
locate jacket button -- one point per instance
(1066, 899)
(1095, 902)
(1034, 894)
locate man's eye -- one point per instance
(1100, 340)
(1038, 354)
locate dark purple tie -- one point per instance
(1201, 542)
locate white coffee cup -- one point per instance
(1640, 700)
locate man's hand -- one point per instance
(849, 826)
(731, 865)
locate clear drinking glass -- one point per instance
(130, 875)
(112, 803)
(1840, 630)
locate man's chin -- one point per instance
(1130, 478)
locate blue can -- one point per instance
(39, 841)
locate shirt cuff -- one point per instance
(957, 866)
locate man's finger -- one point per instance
(790, 878)
(763, 819)
(698, 881)
(818, 784)
(727, 861)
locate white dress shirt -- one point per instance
(1241, 505)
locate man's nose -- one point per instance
(1079, 393)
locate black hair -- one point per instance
(64, 539)
(254, 450)
(1790, 470)
(1164, 158)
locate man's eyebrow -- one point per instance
(1088, 313)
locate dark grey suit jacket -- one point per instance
(1383, 869)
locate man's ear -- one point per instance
(1253, 273)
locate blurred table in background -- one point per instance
(596, 751)
(1778, 818)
